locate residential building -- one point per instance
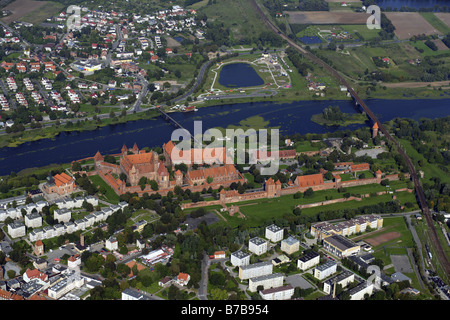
(342, 279)
(257, 245)
(129, 294)
(309, 260)
(240, 258)
(358, 292)
(183, 279)
(268, 281)
(33, 220)
(255, 270)
(16, 229)
(62, 215)
(112, 244)
(290, 245)
(280, 293)
(325, 270)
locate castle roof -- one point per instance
(379, 171)
(98, 156)
(204, 173)
(309, 180)
(124, 148)
(361, 166)
(62, 179)
(375, 125)
(162, 170)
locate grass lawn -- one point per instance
(430, 170)
(302, 146)
(41, 14)
(383, 251)
(109, 195)
(256, 212)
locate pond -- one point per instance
(237, 75)
(310, 40)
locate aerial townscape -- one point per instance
(225, 150)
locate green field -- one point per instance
(108, 193)
(48, 10)
(435, 22)
(259, 211)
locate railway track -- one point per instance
(434, 240)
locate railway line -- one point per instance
(434, 240)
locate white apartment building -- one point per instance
(255, 270)
(112, 244)
(16, 229)
(274, 233)
(343, 279)
(358, 292)
(33, 220)
(269, 281)
(309, 260)
(240, 258)
(62, 215)
(280, 293)
(325, 270)
(257, 245)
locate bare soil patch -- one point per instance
(20, 8)
(444, 17)
(376, 241)
(416, 84)
(439, 44)
(408, 24)
(326, 17)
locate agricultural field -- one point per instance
(408, 24)
(230, 12)
(437, 21)
(326, 17)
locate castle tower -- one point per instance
(272, 188)
(378, 175)
(39, 248)
(178, 178)
(374, 130)
(337, 180)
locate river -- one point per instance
(291, 118)
(417, 4)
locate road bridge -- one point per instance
(168, 118)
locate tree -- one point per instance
(309, 193)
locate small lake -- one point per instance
(238, 75)
(291, 118)
(310, 40)
(397, 4)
